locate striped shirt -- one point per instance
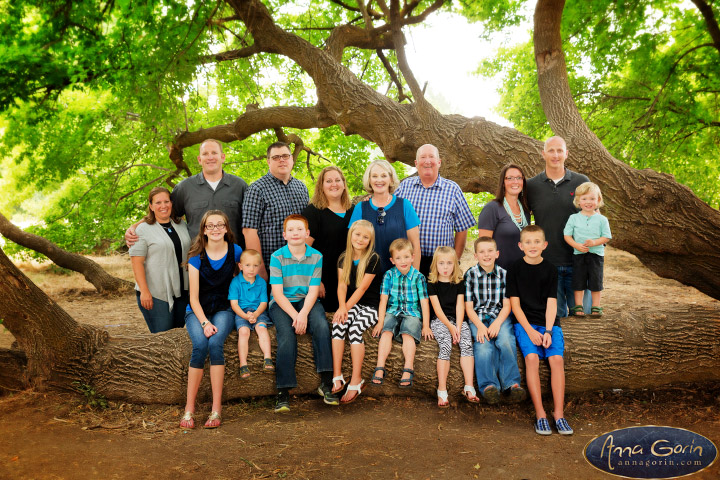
(296, 275)
(485, 290)
(267, 202)
(442, 209)
(404, 292)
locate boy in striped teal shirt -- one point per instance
(295, 272)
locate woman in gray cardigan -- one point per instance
(161, 281)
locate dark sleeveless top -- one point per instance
(391, 229)
(215, 284)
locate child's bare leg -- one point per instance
(443, 368)
(557, 383)
(264, 341)
(194, 377)
(408, 348)
(595, 298)
(532, 376)
(338, 350)
(217, 375)
(579, 298)
(384, 347)
(357, 354)
(243, 340)
(467, 365)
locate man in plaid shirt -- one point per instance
(445, 216)
(269, 200)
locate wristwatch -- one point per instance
(204, 323)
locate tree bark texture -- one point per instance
(93, 273)
(660, 221)
(636, 350)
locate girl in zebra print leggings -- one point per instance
(359, 280)
(446, 289)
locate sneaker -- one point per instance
(542, 427)
(491, 395)
(282, 402)
(517, 394)
(562, 427)
(328, 397)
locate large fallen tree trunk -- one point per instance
(628, 349)
(93, 273)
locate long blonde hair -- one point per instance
(456, 276)
(346, 258)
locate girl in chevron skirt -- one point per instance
(359, 280)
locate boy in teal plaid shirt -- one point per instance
(404, 311)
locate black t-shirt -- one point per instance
(371, 297)
(534, 284)
(329, 230)
(447, 294)
(175, 238)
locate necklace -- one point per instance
(518, 219)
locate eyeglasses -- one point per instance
(381, 215)
(210, 226)
(276, 158)
(514, 179)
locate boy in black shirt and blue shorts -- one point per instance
(532, 289)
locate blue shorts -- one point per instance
(557, 347)
(263, 320)
(403, 324)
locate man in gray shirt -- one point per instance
(550, 197)
(211, 189)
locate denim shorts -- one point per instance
(403, 324)
(557, 347)
(262, 320)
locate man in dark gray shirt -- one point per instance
(550, 197)
(211, 189)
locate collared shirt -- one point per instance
(248, 295)
(581, 228)
(404, 292)
(552, 204)
(194, 196)
(267, 202)
(485, 290)
(442, 209)
(296, 275)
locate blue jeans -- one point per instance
(496, 360)
(317, 326)
(160, 318)
(566, 295)
(224, 321)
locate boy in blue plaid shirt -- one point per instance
(404, 311)
(488, 310)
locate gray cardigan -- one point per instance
(160, 261)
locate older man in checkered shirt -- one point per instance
(444, 213)
(269, 200)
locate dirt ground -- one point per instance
(56, 435)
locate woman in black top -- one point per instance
(328, 215)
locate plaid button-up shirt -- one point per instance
(485, 290)
(442, 209)
(404, 292)
(267, 202)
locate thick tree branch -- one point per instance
(710, 20)
(92, 272)
(403, 64)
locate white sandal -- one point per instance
(443, 401)
(340, 379)
(353, 388)
(470, 394)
